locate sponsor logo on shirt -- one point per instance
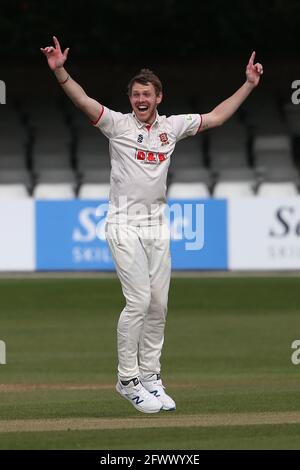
(164, 138)
(150, 158)
(140, 138)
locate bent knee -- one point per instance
(140, 303)
(158, 304)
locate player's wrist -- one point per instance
(250, 85)
(65, 80)
(62, 75)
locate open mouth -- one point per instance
(142, 108)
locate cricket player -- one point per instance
(140, 145)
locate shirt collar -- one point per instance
(143, 124)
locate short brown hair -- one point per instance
(144, 77)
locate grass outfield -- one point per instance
(226, 362)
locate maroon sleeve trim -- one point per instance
(98, 119)
(200, 124)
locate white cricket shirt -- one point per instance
(140, 158)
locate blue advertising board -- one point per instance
(199, 234)
(70, 235)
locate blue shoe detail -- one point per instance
(137, 400)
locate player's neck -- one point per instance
(152, 119)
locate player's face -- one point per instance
(144, 102)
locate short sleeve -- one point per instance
(109, 122)
(185, 125)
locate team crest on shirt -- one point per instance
(164, 138)
(150, 158)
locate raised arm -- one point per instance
(227, 108)
(56, 59)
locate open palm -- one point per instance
(55, 57)
(253, 71)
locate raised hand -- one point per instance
(253, 71)
(55, 57)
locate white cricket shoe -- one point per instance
(155, 387)
(138, 396)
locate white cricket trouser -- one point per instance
(143, 264)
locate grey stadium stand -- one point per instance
(188, 153)
(94, 184)
(55, 184)
(190, 183)
(15, 179)
(91, 151)
(235, 183)
(279, 182)
(228, 145)
(270, 151)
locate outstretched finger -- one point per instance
(56, 42)
(252, 57)
(47, 50)
(66, 52)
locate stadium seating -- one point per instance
(269, 190)
(228, 147)
(16, 176)
(190, 182)
(188, 191)
(12, 151)
(91, 151)
(54, 191)
(272, 151)
(49, 149)
(13, 191)
(188, 154)
(93, 191)
(233, 189)
(234, 182)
